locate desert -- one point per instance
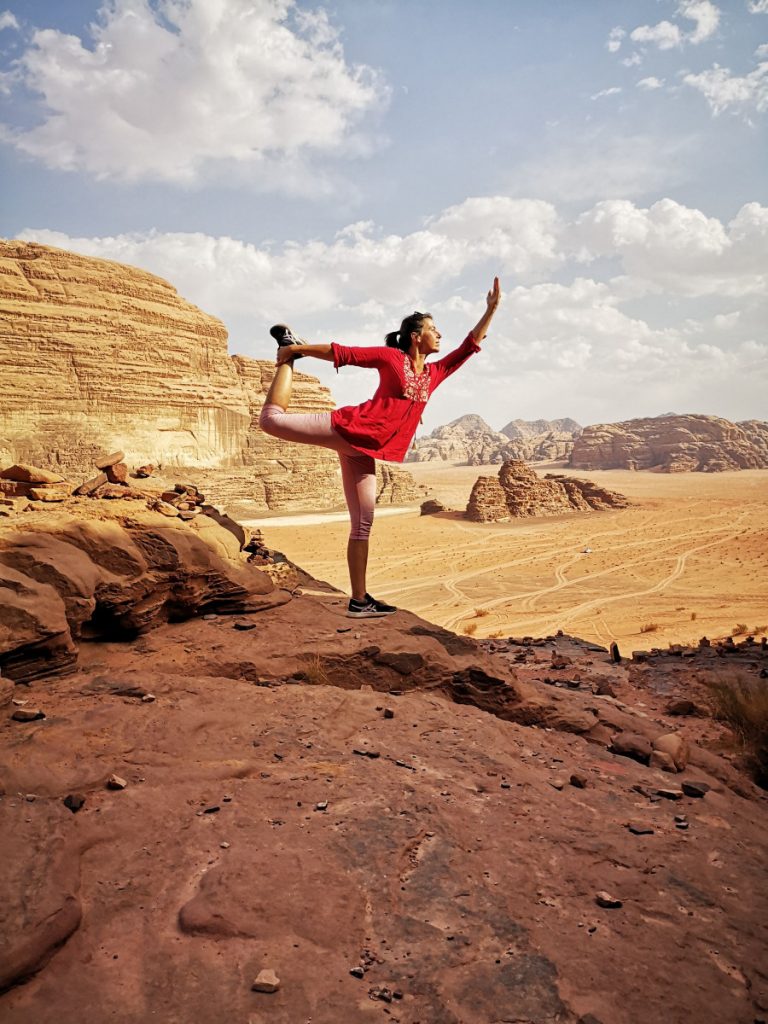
(688, 558)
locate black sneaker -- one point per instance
(285, 337)
(370, 608)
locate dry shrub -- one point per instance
(694, 616)
(315, 672)
(481, 612)
(471, 628)
(650, 627)
(742, 703)
(740, 629)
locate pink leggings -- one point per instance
(358, 471)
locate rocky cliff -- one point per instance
(469, 440)
(97, 357)
(267, 812)
(519, 429)
(673, 444)
(518, 492)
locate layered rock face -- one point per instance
(470, 441)
(96, 356)
(518, 492)
(673, 444)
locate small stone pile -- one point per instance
(432, 507)
(185, 501)
(111, 481)
(20, 484)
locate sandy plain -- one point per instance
(688, 559)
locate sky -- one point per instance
(336, 167)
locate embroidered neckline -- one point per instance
(416, 384)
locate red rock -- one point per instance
(629, 744)
(675, 746)
(30, 475)
(50, 492)
(27, 714)
(108, 461)
(604, 899)
(115, 782)
(117, 474)
(91, 485)
(145, 471)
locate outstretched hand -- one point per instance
(494, 296)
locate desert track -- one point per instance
(688, 557)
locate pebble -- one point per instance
(213, 809)
(670, 794)
(366, 753)
(322, 805)
(210, 617)
(244, 624)
(74, 801)
(380, 992)
(579, 780)
(148, 698)
(224, 846)
(266, 981)
(389, 713)
(357, 972)
(640, 830)
(27, 714)
(695, 789)
(604, 899)
(115, 782)
(682, 825)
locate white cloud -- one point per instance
(762, 50)
(615, 37)
(724, 91)
(679, 314)
(613, 91)
(665, 35)
(8, 20)
(633, 61)
(673, 249)
(758, 7)
(650, 83)
(706, 16)
(169, 91)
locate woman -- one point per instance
(381, 428)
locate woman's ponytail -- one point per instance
(402, 339)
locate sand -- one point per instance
(688, 559)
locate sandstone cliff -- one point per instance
(96, 356)
(470, 441)
(673, 444)
(518, 492)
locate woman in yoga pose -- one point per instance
(381, 428)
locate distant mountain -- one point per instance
(471, 441)
(518, 429)
(673, 444)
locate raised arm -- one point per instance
(492, 301)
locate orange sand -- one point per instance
(689, 558)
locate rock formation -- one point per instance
(673, 444)
(518, 492)
(495, 835)
(517, 430)
(470, 441)
(121, 361)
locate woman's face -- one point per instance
(429, 339)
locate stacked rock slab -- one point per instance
(96, 356)
(673, 444)
(519, 493)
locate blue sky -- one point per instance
(337, 166)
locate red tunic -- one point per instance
(384, 426)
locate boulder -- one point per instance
(675, 746)
(630, 744)
(30, 475)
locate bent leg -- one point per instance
(302, 427)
